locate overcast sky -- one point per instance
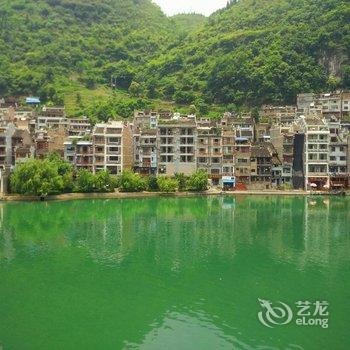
(206, 7)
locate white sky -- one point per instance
(205, 7)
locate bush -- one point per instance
(198, 181)
(85, 181)
(285, 187)
(152, 183)
(182, 180)
(68, 182)
(36, 177)
(131, 182)
(104, 182)
(166, 184)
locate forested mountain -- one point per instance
(88, 40)
(258, 51)
(252, 52)
(188, 22)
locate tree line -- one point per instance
(53, 175)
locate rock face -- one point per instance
(333, 62)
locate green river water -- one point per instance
(174, 273)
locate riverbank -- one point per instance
(121, 195)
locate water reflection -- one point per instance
(150, 273)
(179, 232)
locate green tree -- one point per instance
(129, 181)
(182, 181)
(105, 182)
(256, 114)
(198, 181)
(167, 184)
(36, 177)
(85, 181)
(135, 89)
(152, 184)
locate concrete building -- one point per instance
(84, 155)
(345, 104)
(264, 164)
(242, 154)
(210, 150)
(6, 133)
(228, 147)
(145, 151)
(282, 138)
(282, 115)
(316, 149)
(338, 165)
(244, 126)
(78, 126)
(177, 139)
(113, 146)
(331, 104)
(145, 142)
(22, 146)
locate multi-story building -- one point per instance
(78, 126)
(6, 133)
(262, 132)
(22, 146)
(84, 155)
(145, 119)
(316, 151)
(265, 164)
(345, 103)
(332, 104)
(282, 115)
(48, 122)
(304, 101)
(228, 149)
(244, 126)
(282, 138)
(242, 154)
(41, 142)
(145, 142)
(177, 138)
(209, 150)
(338, 165)
(145, 151)
(113, 147)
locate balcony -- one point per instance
(84, 162)
(84, 152)
(99, 162)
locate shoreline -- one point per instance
(123, 195)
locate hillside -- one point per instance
(252, 52)
(188, 22)
(258, 51)
(86, 40)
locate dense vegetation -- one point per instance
(86, 40)
(252, 52)
(258, 51)
(188, 22)
(54, 175)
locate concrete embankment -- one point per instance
(120, 195)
